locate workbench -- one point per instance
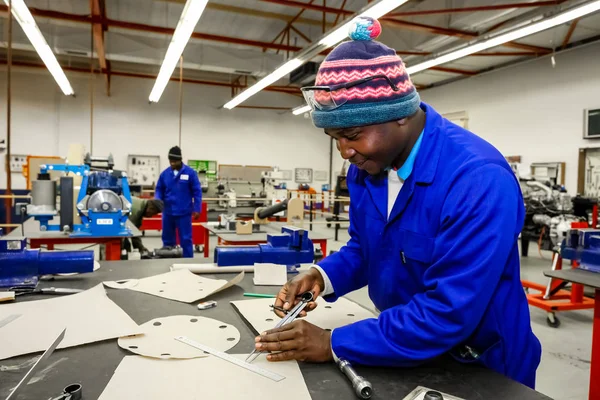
(229, 237)
(37, 238)
(591, 279)
(93, 365)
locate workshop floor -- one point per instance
(565, 368)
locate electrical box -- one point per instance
(17, 161)
(143, 170)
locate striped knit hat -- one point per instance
(373, 102)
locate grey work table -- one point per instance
(93, 364)
(591, 279)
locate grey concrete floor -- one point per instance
(564, 372)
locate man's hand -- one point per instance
(299, 340)
(304, 282)
(195, 215)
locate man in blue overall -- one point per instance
(435, 213)
(179, 188)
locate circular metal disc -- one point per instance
(104, 200)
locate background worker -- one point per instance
(141, 208)
(179, 188)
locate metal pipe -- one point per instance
(330, 161)
(361, 386)
(267, 212)
(7, 201)
(180, 95)
(92, 89)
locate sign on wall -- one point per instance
(143, 170)
(303, 175)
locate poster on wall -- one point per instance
(143, 169)
(592, 173)
(321, 176)
(303, 175)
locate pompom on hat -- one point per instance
(373, 102)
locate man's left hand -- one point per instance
(195, 215)
(299, 340)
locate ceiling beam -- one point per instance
(253, 12)
(289, 24)
(496, 7)
(454, 71)
(420, 27)
(299, 33)
(86, 19)
(280, 89)
(468, 35)
(98, 8)
(310, 6)
(567, 38)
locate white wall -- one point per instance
(45, 122)
(531, 109)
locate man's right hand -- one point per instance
(304, 282)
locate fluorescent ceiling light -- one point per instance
(530, 29)
(25, 19)
(376, 10)
(301, 109)
(264, 82)
(185, 27)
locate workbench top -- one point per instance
(31, 229)
(93, 365)
(577, 275)
(271, 227)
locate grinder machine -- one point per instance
(103, 202)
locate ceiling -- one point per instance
(239, 41)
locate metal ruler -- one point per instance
(38, 364)
(9, 319)
(227, 357)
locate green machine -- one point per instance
(207, 171)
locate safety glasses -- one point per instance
(327, 98)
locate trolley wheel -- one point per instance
(198, 248)
(552, 320)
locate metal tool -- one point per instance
(9, 319)
(362, 387)
(227, 357)
(21, 267)
(50, 290)
(305, 298)
(72, 392)
(38, 364)
(291, 247)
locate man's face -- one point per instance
(371, 148)
(176, 164)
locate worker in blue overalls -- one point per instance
(435, 213)
(179, 188)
